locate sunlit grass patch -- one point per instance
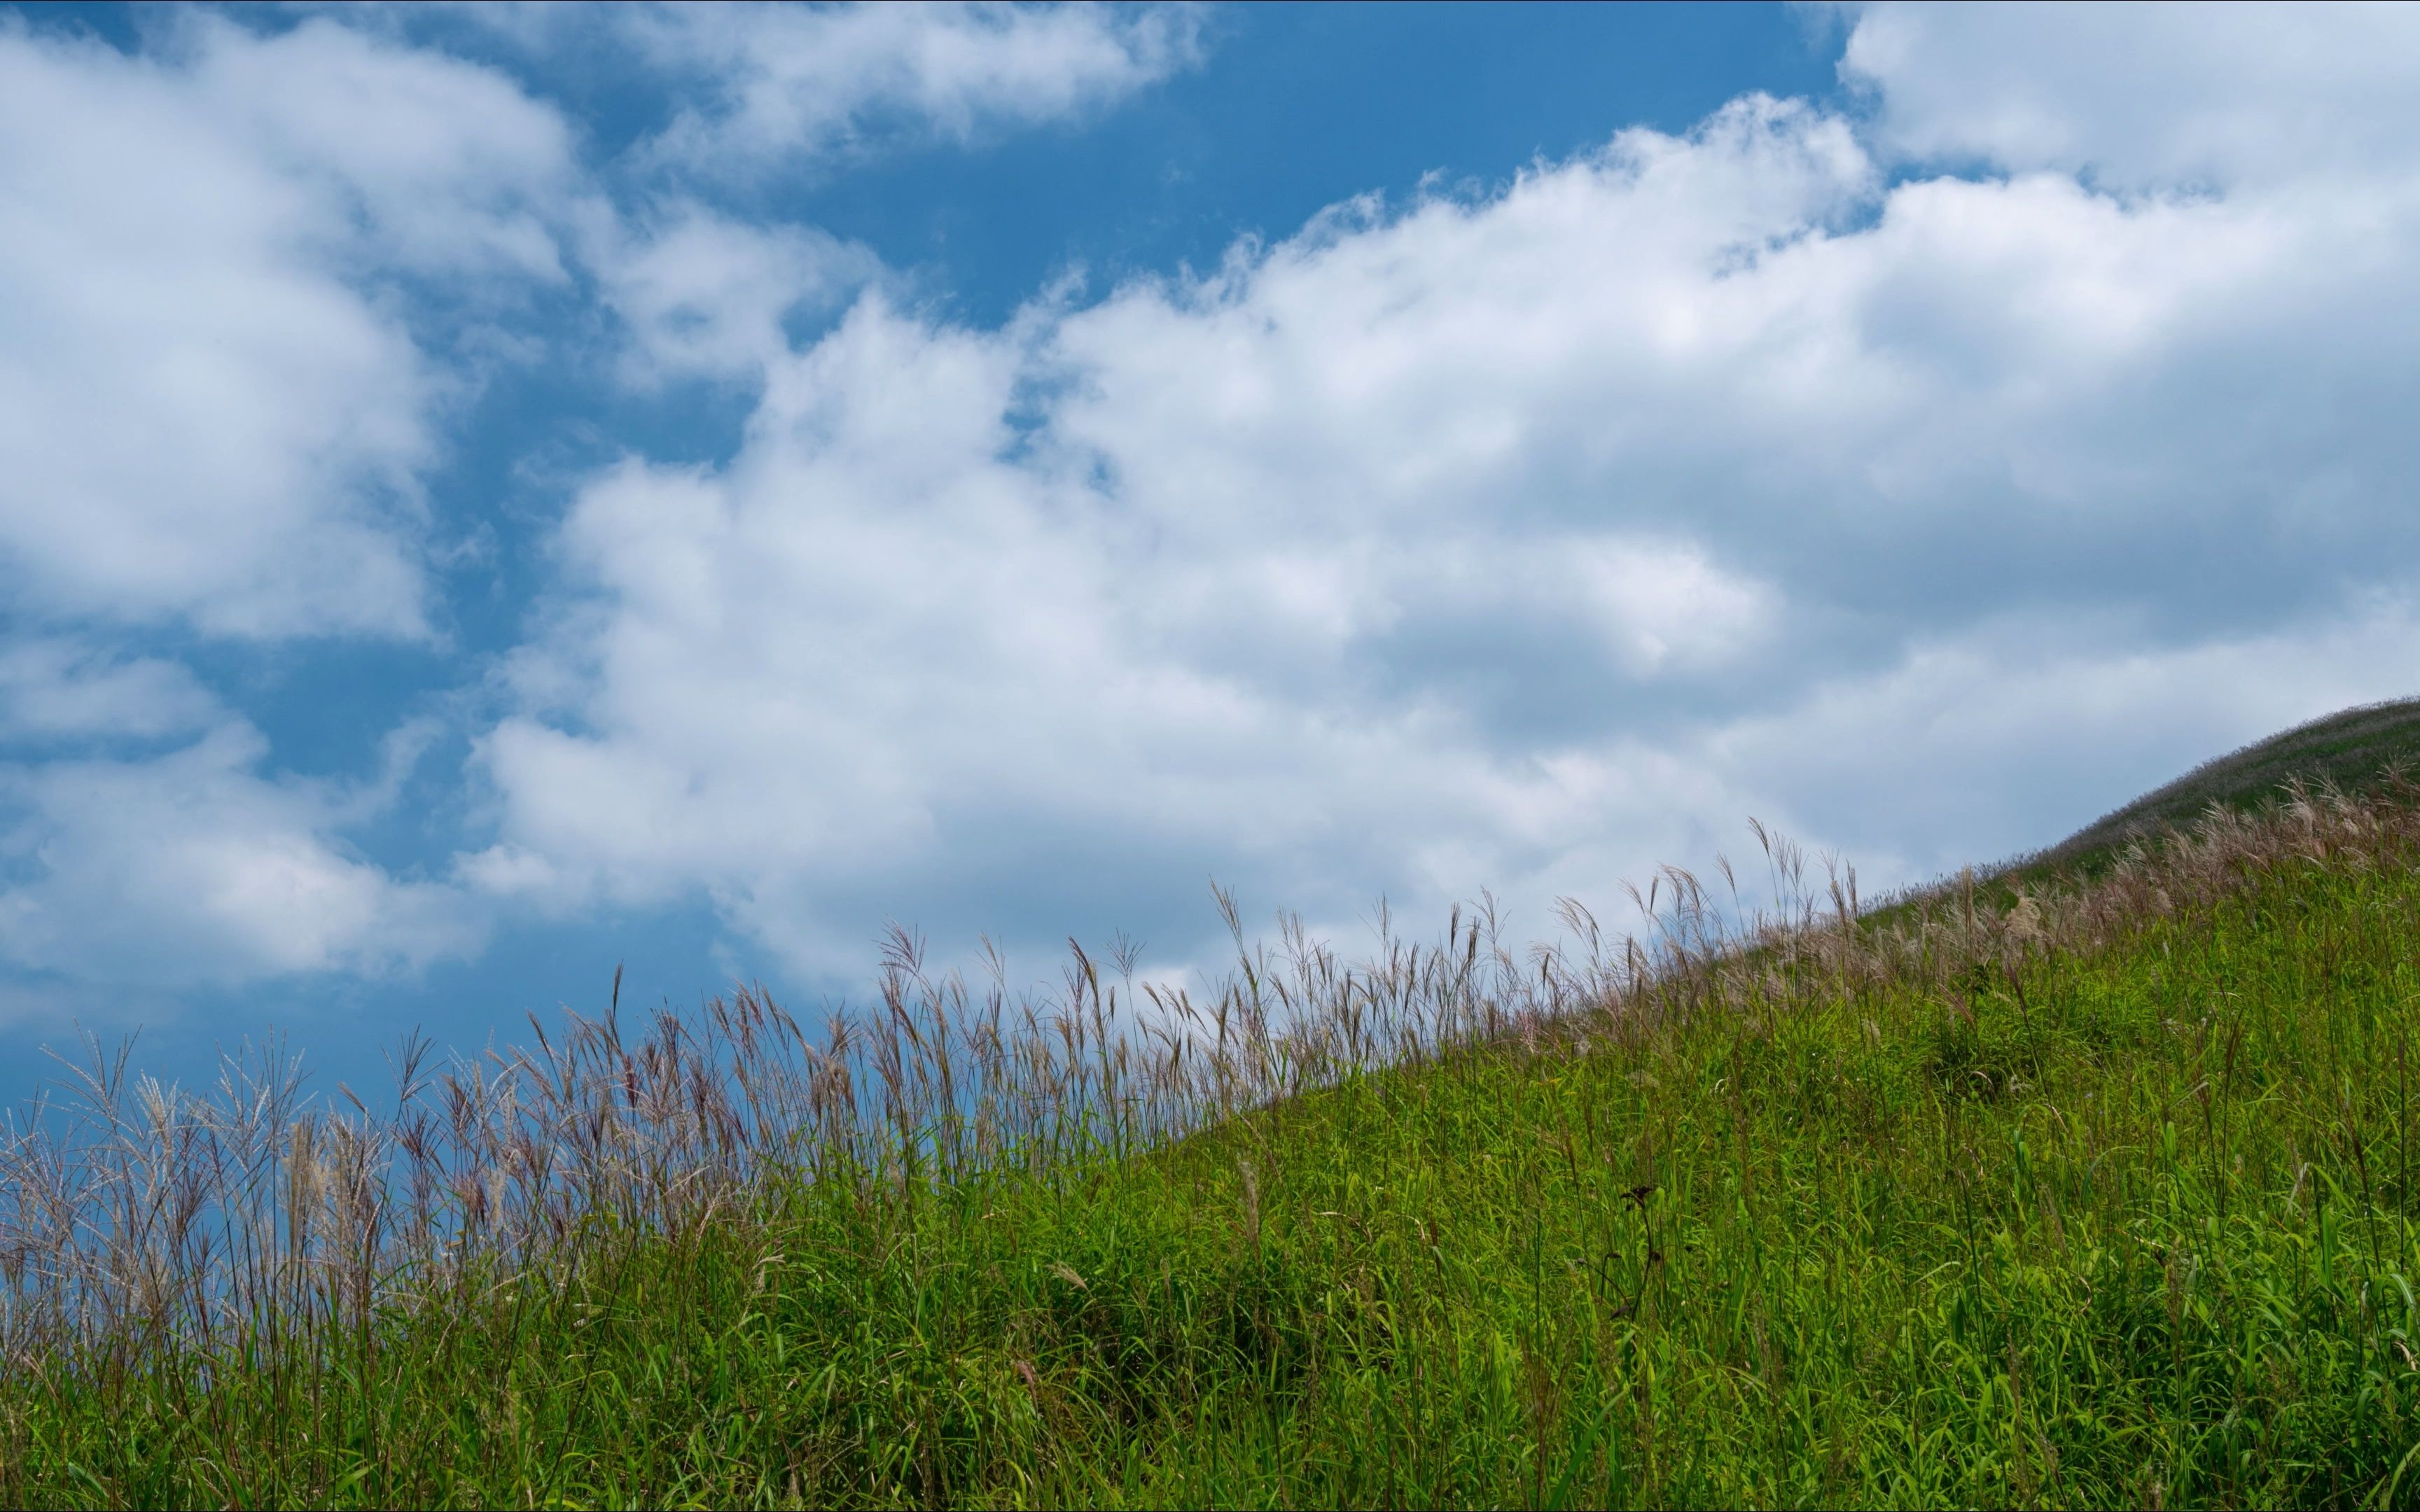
(2100, 1199)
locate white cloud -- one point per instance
(202, 414)
(214, 416)
(704, 295)
(234, 256)
(190, 869)
(218, 396)
(2013, 734)
(1518, 542)
(2141, 97)
(447, 167)
(55, 689)
(1666, 609)
(788, 84)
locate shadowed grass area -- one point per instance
(2105, 1199)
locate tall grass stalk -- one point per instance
(2100, 1196)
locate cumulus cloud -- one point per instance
(53, 688)
(702, 295)
(785, 84)
(214, 416)
(1787, 467)
(203, 414)
(2011, 734)
(225, 373)
(1520, 540)
(192, 869)
(2243, 94)
(447, 167)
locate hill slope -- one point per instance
(2352, 750)
(2105, 1199)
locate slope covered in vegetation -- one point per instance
(2101, 1199)
(2352, 751)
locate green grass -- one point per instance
(2355, 751)
(2108, 1203)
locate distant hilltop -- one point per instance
(2353, 751)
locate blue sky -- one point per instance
(488, 494)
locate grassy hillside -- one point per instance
(2353, 751)
(2103, 1200)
